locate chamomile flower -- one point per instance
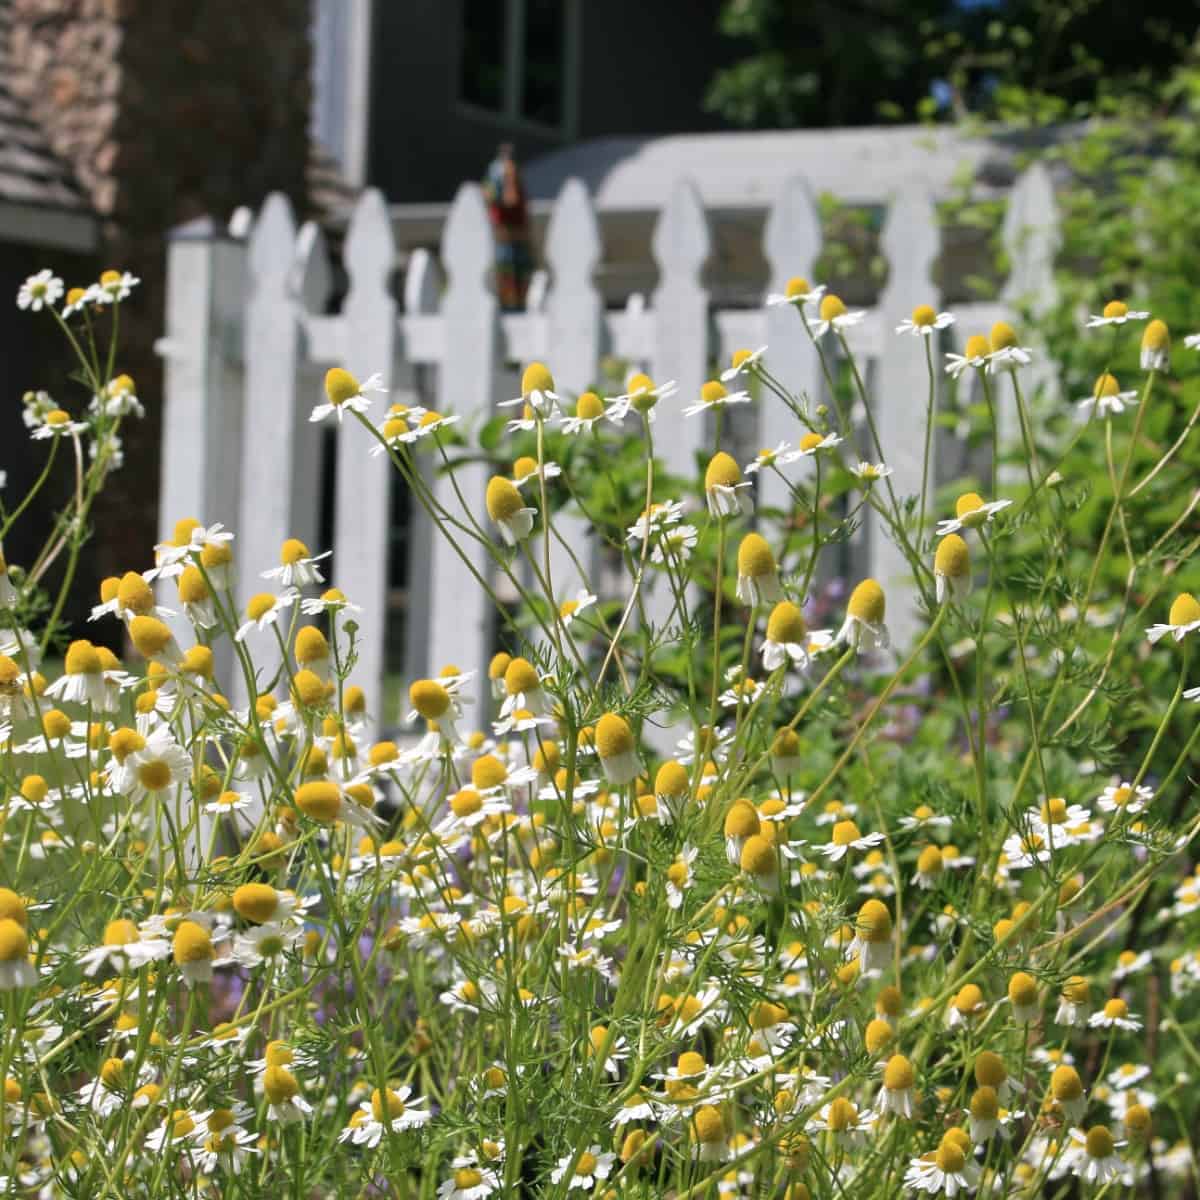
(925, 321)
(1124, 797)
(1006, 352)
(899, 1080)
(159, 768)
(1115, 1015)
(379, 1115)
(757, 572)
(1093, 1155)
(330, 601)
(617, 749)
(281, 1090)
(970, 512)
(832, 314)
(39, 291)
(726, 493)
(715, 395)
(570, 610)
(846, 836)
(679, 876)
(262, 610)
(59, 424)
(507, 509)
(297, 565)
(975, 356)
(588, 1168)
(1156, 347)
(767, 458)
(526, 469)
(469, 1180)
(642, 395)
(427, 424)
(1107, 399)
(797, 292)
(16, 971)
(742, 362)
(811, 444)
(864, 627)
(787, 638)
(873, 933)
(948, 1171)
(589, 409)
(869, 473)
(1184, 618)
(537, 392)
(1131, 962)
(952, 569)
(82, 680)
(123, 948)
(1115, 312)
(344, 393)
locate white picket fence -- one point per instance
(248, 339)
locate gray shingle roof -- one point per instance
(30, 172)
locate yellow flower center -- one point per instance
(1100, 1142)
(755, 559)
(503, 500)
(1115, 308)
(923, 315)
(155, 775)
(868, 603)
(831, 307)
(537, 378)
(340, 386)
(797, 286)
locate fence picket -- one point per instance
(792, 243)
(461, 634)
(911, 242)
(363, 503)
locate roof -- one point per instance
(741, 170)
(40, 201)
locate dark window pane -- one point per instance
(482, 79)
(542, 86)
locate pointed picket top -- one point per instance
(273, 240)
(911, 242)
(792, 235)
(423, 283)
(537, 293)
(573, 245)
(370, 251)
(1031, 238)
(312, 274)
(681, 241)
(467, 248)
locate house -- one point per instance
(413, 97)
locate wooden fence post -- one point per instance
(911, 243)
(574, 316)
(461, 628)
(362, 515)
(202, 394)
(792, 243)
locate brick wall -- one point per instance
(165, 110)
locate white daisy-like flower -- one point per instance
(297, 565)
(281, 1090)
(845, 837)
(470, 1180)
(1093, 1156)
(1115, 312)
(568, 610)
(798, 292)
(587, 1169)
(428, 424)
(59, 424)
(590, 408)
(263, 610)
(674, 546)
(526, 469)
(124, 948)
(1125, 797)
(377, 1116)
(742, 362)
(1107, 399)
(714, 395)
(975, 356)
(658, 517)
(870, 472)
(864, 627)
(1184, 618)
(948, 1171)
(40, 290)
(1131, 962)
(1128, 1075)
(767, 458)
(971, 511)
(679, 876)
(1115, 1015)
(344, 393)
(537, 391)
(331, 601)
(642, 394)
(160, 767)
(832, 314)
(113, 287)
(812, 444)
(925, 321)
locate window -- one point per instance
(482, 79)
(514, 59)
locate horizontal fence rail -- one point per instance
(249, 336)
